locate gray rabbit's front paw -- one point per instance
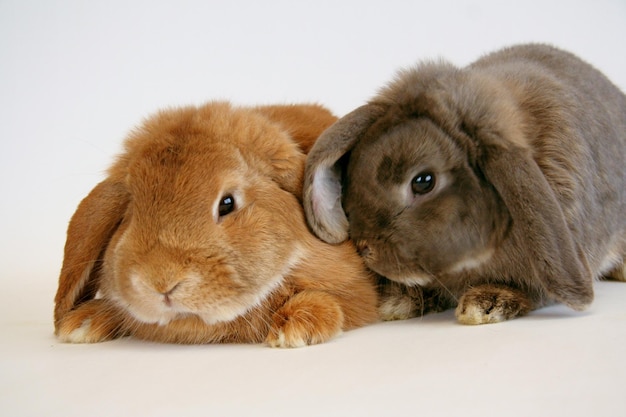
(491, 304)
(619, 273)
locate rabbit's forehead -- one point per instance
(403, 150)
(212, 166)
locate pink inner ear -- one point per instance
(330, 222)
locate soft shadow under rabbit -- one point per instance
(498, 187)
(197, 235)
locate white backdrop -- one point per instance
(75, 76)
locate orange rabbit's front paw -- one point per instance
(91, 322)
(308, 318)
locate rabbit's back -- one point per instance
(576, 122)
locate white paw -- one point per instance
(619, 273)
(397, 308)
(78, 335)
(281, 341)
(474, 314)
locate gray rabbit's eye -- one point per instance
(226, 206)
(423, 183)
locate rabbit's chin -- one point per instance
(413, 279)
(151, 312)
(152, 309)
(164, 315)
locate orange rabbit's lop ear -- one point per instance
(94, 222)
(299, 125)
(304, 122)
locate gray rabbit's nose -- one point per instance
(362, 248)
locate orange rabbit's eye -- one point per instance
(423, 183)
(227, 205)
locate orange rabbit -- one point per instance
(197, 235)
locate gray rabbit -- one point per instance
(499, 187)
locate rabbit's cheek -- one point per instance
(228, 309)
(389, 263)
(227, 302)
(224, 297)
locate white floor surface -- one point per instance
(554, 362)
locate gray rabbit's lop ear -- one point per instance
(553, 254)
(322, 178)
